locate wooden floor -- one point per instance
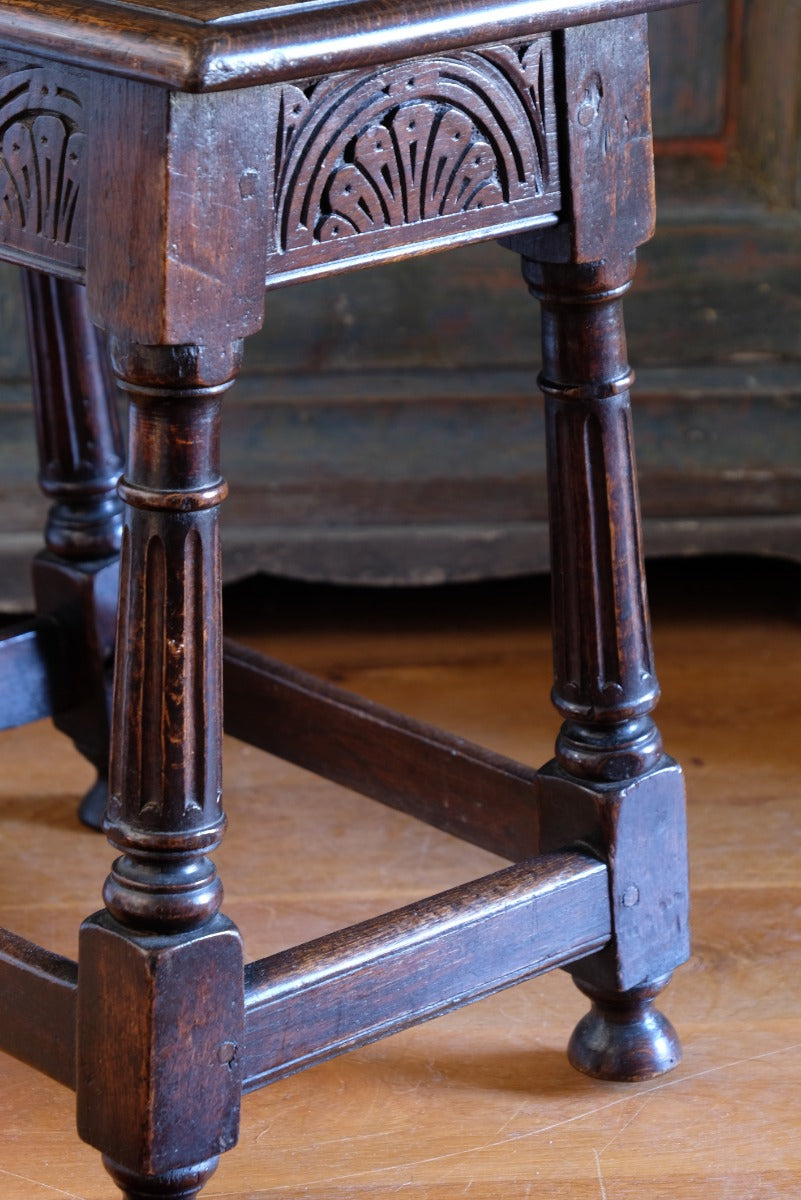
(481, 1103)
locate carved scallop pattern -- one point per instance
(41, 161)
(431, 139)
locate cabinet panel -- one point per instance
(387, 428)
(689, 66)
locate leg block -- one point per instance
(160, 1031)
(638, 827)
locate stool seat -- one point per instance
(198, 46)
(161, 168)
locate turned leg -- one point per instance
(610, 784)
(160, 1003)
(81, 458)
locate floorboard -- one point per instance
(481, 1103)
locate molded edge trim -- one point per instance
(294, 41)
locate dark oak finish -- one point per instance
(81, 456)
(605, 686)
(165, 808)
(151, 1111)
(38, 997)
(161, 951)
(346, 990)
(81, 449)
(198, 46)
(173, 159)
(460, 788)
(363, 156)
(27, 653)
(609, 752)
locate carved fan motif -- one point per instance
(420, 164)
(41, 149)
(412, 143)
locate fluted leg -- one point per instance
(81, 458)
(610, 783)
(161, 971)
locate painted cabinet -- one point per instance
(387, 428)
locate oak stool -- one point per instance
(159, 163)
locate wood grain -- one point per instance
(192, 47)
(37, 1006)
(452, 784)
(408, 966)
(481, 1102)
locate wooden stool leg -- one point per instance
(178, 1185)
(161, 992)
(610, 784)
(81, 458)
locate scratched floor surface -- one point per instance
(481, 1103)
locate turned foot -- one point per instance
(175, 1185)
(624, 1037)
(92, 809)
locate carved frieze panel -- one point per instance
(429, 150)
(42, 165)
(359, 165)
